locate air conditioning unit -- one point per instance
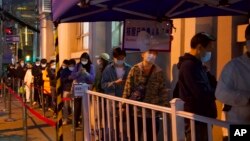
(44, 6)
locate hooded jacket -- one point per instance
(195, 88)
(234, 89)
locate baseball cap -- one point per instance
(104, 56)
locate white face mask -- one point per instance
(151, 58)
(43, 65)
(37, 64)
(53, 66)
(98, 61)
(119, 62)
(71, 68)
(63, 67)
(84, 62)
(206, 57)
(22, 64)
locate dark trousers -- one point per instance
(140, 128)
(78, 110)
(37, 92)
(48, 101)
(53, 99)
(200, 131)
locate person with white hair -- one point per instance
(233, 88)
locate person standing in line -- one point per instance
(195, 89)
(20, 72)
(51, 70)
(83, 73)
(46, 89)
(115, 74)
(113, 78)
(148, 78)
(233, 88)
(66, 88)
(37, 74)
(102, 62)
(28, 80)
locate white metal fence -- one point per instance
(109, 118)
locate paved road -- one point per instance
(38, 130)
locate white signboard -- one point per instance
(159, 35)
(80, 89)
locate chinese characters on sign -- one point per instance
(160, 34)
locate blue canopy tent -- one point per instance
(119, 10)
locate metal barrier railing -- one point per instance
(113, 116)
(10, 119)
(25, 123)
(108, 117)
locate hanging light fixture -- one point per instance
(83, 3)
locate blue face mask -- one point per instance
(206, 57)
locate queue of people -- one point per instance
(145, 82)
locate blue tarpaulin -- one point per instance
(119, 10)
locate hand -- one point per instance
(83, 70)
(118, 81)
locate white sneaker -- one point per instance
(65, 122)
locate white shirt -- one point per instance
(119, 72)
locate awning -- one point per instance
(119, 10)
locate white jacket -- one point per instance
(28, 78)
(234, 89)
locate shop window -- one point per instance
(82, 36)
(117, 33)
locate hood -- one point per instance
(186, 57)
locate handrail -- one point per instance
(176, 112)
(128, 101)
(204, 119)
(183, 114)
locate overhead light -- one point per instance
(84, 3)
(21, 8)
(27, 16)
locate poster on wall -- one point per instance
(142, 34)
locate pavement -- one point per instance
(37, 129)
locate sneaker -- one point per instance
(65, 122)
(51, 110)
(34, 103)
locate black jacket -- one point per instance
(20, 72)
(38, 76)
(52, 76)
(66, 82)
(195, 88)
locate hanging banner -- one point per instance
(140, 34)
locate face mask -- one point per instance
(37, 64)
(71, 68)
(151, 58)
(98, 62)
(119, 62)
(43, 65)
(63, 67)
(84, 62)
(53, 66)
(22, 64)
(206, 57)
